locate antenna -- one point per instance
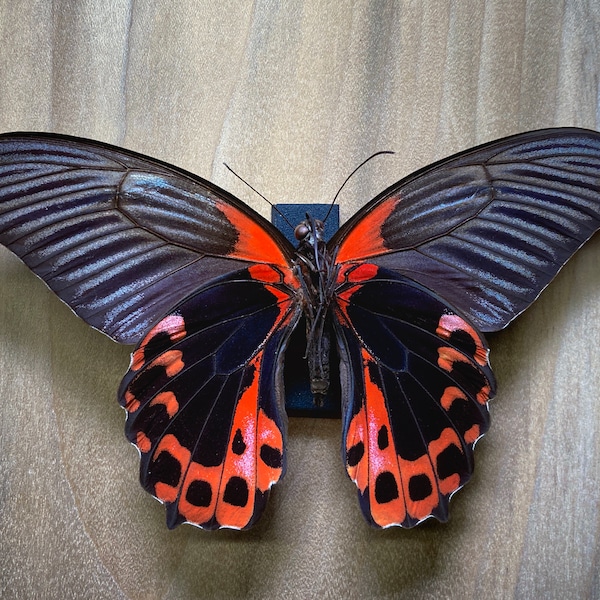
(362, 164)
(273, 206)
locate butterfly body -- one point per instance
(395, 306)
(317, 272)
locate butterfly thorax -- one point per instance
(316, 270)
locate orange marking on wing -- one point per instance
(357, 272)
(270, 275)
(131, 402)
(341, 312)
(472, 434)
(254, 243)
(365, 238)
(171, 361)
(421, 467)
(244, 465)
(169, 400)
(484, 394)
(389, 514)
(448, 324)
(268, 434)
(172, 325)
(448, 356)
(170, 445)
(284, 301)
(447, 438)
(206, 492)
(381, 460)
(363, 272)
(357, 437)
(264, 273)
(446, 359)
(137, 358)
(198, 493)
(241, 464)
(142, 441)
(451, 393)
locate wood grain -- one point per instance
(293, 96)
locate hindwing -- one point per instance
(205, 401)
(416, 382)
(460, 247)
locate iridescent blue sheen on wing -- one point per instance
(119, 237)
(489, 228)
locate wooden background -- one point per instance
(294, 95)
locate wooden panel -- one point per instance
(293, 96)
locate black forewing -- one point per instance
(489, 228)
(120, 237)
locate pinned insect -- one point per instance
(210, 292)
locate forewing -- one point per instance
(489, 228)
(120, 237)
(205, 400)
(415, 381)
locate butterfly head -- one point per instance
(310, 231)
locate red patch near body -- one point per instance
(365, 239)
(264, 273)
(357, 450)
(357, 273)
(254, 244)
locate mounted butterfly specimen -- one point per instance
(210, 292)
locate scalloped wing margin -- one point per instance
(416, 380)
(205, 400)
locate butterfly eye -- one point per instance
(301, 231)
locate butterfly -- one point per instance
(396, 305)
